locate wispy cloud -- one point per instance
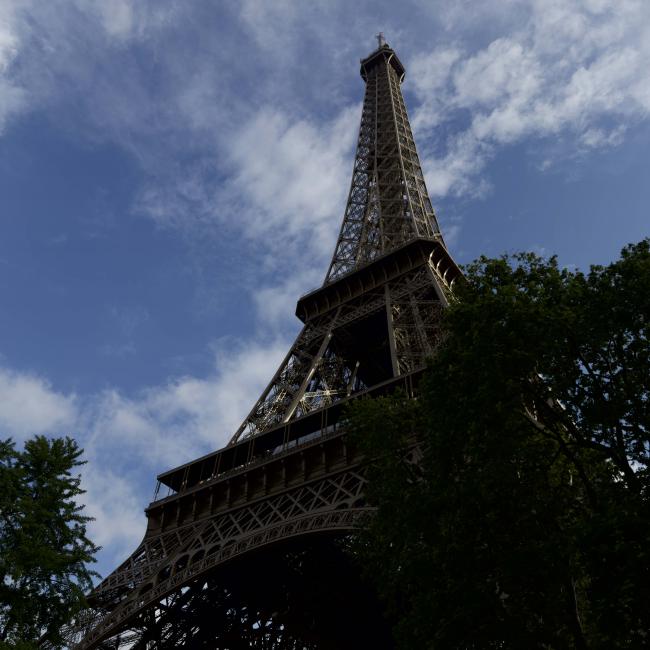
(30, 405)
(280, 186)
(130, 439)
(290, 178)
(579, 68)
(549, 66)
(227, 151)
(12, 95)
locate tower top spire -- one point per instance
(383, 53)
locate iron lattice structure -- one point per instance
(232, 555)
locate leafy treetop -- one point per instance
(44, 550)
(526, 522)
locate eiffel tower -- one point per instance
(245, 549)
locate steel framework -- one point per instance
(232, 553)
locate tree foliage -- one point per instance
(44, 550)
(526, 522)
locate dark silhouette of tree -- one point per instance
(525, 523)
(44, 550)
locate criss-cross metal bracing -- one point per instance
(211, 571)
(388, 203)
(388, 207)
(173, 561)
(398, 320)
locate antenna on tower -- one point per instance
(381, 41)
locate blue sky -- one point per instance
(173, 176)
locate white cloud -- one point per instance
(285, 186)
(275, 304)
(429, 75)
(451, 226)
(117, 16)
(271, 24)
(290, 177)
(505, 70)
(12, 95)
(162, 427)
(72, 58)
(595, 137)
(549, 66)
(128, 439)
(222, 150)
(215, 157)
(457, 171)
(117, 505)
(29, 405)
(582, 68)
(185, 417)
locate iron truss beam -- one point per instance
(231, 556)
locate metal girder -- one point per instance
(315, 374)
(388, 203)
(376, 318)
(282, 611)
(334, 503)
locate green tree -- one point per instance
(526, 521)
(44, 551)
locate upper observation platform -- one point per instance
(383, 54)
